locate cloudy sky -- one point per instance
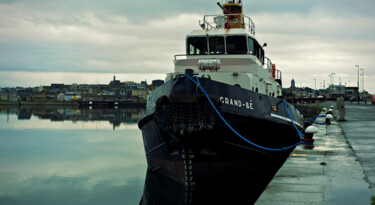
(88, 41)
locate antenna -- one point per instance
(206, 7)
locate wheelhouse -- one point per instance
(224, 45)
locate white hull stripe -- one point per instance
(285, 118)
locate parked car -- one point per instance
(353, 98)
(373, 99)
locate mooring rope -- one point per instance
(313, 120)
(238, 134)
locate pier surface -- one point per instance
(359, 129)
(338, 169)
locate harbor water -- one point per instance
(71, 156)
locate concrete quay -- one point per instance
(328, 172)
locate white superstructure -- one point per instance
(227, 51)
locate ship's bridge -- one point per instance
(227, 45)
(223, 43)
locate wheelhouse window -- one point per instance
(251, 46)
(216, 45)
(261, 55)
(236, 45)
(260, 52)
(255, 49)
(197, 46)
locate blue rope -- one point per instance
(318, 123)
(312, 120)
(233, 130)
(287, 110)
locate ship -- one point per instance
(218, 128)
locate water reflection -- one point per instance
(161, 189)
(115, 117)
(71, 156)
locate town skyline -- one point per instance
(150, 82)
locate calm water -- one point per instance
(69, 156)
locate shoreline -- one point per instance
(67, 104)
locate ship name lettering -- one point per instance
(237, 103)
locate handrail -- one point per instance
(208, 22)
(269, 63)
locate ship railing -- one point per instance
(276, 74)
(278, 77)
(268, 64)
(248, 24)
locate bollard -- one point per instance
(309, 132)
(341, 107)
(324, 110)
(342, 113)
(330, 111)
(329, 117)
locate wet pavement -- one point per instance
(328, 172)
(359, 129)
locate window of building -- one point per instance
(216, 45)
(197, 46)
(236, 45)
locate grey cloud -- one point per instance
(119, 36)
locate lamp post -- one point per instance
(315, 87)
(330, 79)
(329, 85)
(363, 85)
(358, 84)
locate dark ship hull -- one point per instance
(191, 148)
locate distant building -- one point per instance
(61, 97)
(57, 86)
(44, 96)
(3, 94)
(25, 95)
(351, 91)
(144, 82)
(293, 84)
(114, 83)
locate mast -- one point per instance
(234, 12)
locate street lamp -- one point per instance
(329, 85)
(363, 85)
(315, 87)
(358, 84)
